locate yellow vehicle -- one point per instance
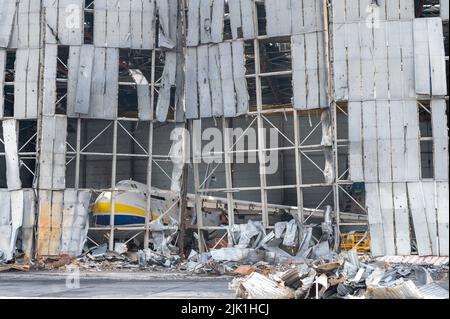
(360, 241)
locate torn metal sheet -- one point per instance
(205, 21)
(143, 93)
(11, 218)
(401, 290)
(234, 8)
(257, 286)
(248, 19)
(167, 12)
(168, 80)
(10, 131)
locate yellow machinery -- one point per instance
(360, 241)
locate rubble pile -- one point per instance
(344, 276)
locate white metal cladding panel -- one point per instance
(217, 20)
(397, 141)
(440, 139)
(387, 215)
(191, 88)
(401, 215)
(215, 81)
(240, 82)
(7, 14)
(70, 22)
(442, 215)
(73, 65)
(444, 9)
(226, 73)
(83, 87)
(355, 137)
(419, 218)
(10, 131)
(26, 83)
(437, 57)
(384, 141)
(56, 210)
(193, 26)
(46, 155)
(340, 62)
(29, 216)
(203, 81)
(59, 153)
(49, 90)
(205, 21)
(429, 54)
(375, 219)
(128, 23)
(380, 57)
(2, 79)
(412, 144)
(429, 197)
(370, 142)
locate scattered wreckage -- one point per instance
(289, 261)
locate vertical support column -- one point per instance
(333, 106)
(113, 187)
(196, 159)
(77, 159)
(228, 157)
(150, 152)
(261, 135)
(298, 168)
